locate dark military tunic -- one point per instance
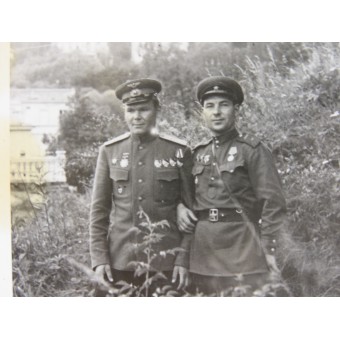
(152, 173)
(236, 177)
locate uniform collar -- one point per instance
(226, 136)
(146, 138)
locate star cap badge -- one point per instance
(135, 92)
(134, 85)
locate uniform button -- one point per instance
(272, 249)
(140, 198)
(222, 215)
(217, 146)
(140, 180)
(162, 201)
(231, 170)
(140, 163)
(274, 241)
(212, 178)
(214, 164)
(140, 147)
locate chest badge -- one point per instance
(179, 163)
(179, 153)
(120, 190)
(157, 163)
(231, 154)
(124, 163)
(172, 162)
(114, 161)
(196, 180)
(206, 159)
(233, 150)
(165, 163)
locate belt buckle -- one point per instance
(213, 215)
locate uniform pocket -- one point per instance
(167, 185)
(120, 178)
(232, 166)
(197, 169)
(119, 174)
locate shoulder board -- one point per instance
(117, 139)
(173, 139)
(249, 139)
(203, 143)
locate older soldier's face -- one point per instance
(219, 114)
(141, 118)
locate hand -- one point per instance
(101, 271)
(186, 219)
(275, 271)
(183, 275)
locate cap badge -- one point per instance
(216, 88)
(134, 85)
(135, 93)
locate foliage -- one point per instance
(93, 117)
(43, 241)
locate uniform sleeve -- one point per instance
(100, 211)
(187, 198)
(267, 186)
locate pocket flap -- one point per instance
(119, 174)
(231, 166)
(167, 174)
(197, 169)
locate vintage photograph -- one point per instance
(175, 169)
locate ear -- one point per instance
(236, 107)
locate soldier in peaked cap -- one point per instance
(236, 187)
(139, 171)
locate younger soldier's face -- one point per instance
(141, 118)
(219, 113)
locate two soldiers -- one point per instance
(214, 199)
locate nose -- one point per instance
(137, 115)
(216, 111)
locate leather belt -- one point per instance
(220, 215)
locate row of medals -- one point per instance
(159, 163)
(205, 159)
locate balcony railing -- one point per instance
(48, 169)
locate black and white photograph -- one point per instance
(175, 169)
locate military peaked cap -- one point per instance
(138, 90)
(220, 85)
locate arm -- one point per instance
(266, 184)
(100, 212)
(187, 198)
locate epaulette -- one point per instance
(249, 139)
(173, 139)
(203, 143)
(117, 139)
